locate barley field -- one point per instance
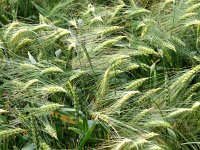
(99, 75)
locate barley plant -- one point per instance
(99, 74)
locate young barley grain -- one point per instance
(23, 43)
(51, 131)
(61, 34)
(117, 10)
(196, 106)
(75, 100)
(188, 15)
(137, 12)
(146, 50)
(2, 111)
(179, 112)
(101, 116)
(142, 114)
(46, 108)
(136, 83)
(44, 146)
(51, 70)
(96, 19)
(158, 123)
(147, 95)
(34, 131)
(18, 35)
(191, 23)
(73, 23)
(17, 83)
(58, 34)
(41, 27)
(108, 43)
(28, 66)
(29, 83)
(10, 132)
(168, 45)
(109, 29)
(138, 143)
(150, 135)
(53, 89)
(126, 97)
(155, 147)
(186, 77)
(10, 28)
(191, 90)
(105, 82)
(123, 144)
(191, 1)
(193, 7)
(178, 41)
(169, 1)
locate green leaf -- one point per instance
(76, 130)
(31, 58)
(91, 125)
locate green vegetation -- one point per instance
(101, 74)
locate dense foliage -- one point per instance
(101, 74)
